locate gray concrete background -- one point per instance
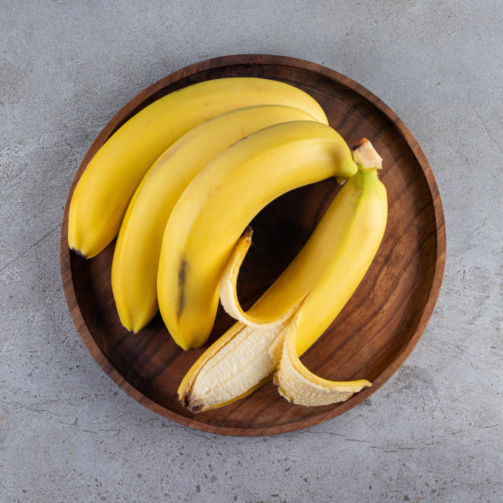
(434, 432)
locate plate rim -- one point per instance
(257, 60)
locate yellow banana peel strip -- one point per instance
(228, 288)
(299, 385)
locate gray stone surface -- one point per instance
(434, 432)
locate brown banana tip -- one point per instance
(194, 409)
(186, 401)
(78, 252)
(182, 398)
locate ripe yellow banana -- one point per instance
(306, 298)
(220, 202)
(136, 256)
(109, 181)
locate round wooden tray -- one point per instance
(377, 329)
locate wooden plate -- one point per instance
(377, 329)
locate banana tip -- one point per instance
(248, 233)
(79, 253)
(366, 156)
(186, 401)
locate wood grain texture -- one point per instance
(378, 328)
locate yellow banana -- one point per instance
(136, 255)
(219, 203)
(316, 286)
(109, 181)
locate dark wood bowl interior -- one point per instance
(379, 326)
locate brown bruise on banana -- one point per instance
(182, 279)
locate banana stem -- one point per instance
(366, 157)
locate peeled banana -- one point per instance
(136, 255)
(313, 290)
(217, 206)
(108, 183)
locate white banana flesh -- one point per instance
(232, 368)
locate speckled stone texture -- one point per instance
(434, 432)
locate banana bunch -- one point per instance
(178, 184)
